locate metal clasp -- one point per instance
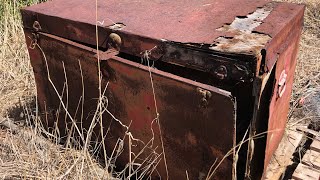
(113, 43)
(35, 36)
(36, 26)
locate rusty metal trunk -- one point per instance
(179, 86)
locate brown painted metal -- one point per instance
(153, 19)
(146, 23)
(279, 105)
(194, 133)
(240, 50)
(286, 19)
(282, 49)
(139, 29)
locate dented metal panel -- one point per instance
(200, 132)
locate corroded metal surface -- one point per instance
(145, 24)
(179, 21)
(279, 105)
(250, 52)
(274, 91)
(243, 39)
(284, 20)
(198, 133)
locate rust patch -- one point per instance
(192, 138)
(243, 38)
(188, 132)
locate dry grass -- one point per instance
(23, 155)
(306, 90)
(16, 76)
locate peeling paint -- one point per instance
(117, 26)
(251, 21)
(243, 38)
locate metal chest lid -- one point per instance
(214, 26)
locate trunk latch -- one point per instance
(114, 43)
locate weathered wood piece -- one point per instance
(312, 159)
(309, 131)
(283, 155)
(304, 172)
(315, 146)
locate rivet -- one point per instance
(221, 72)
